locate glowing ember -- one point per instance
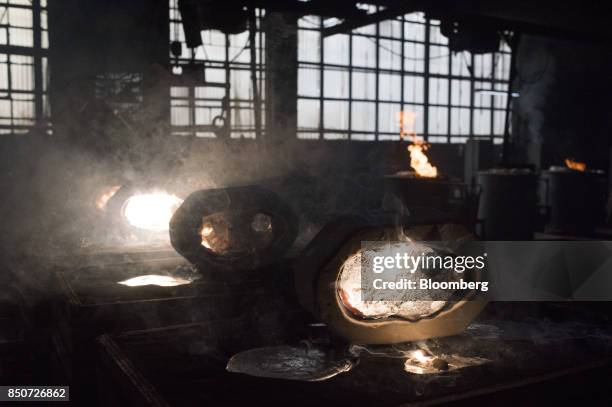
(206, 233)
(152, 279)
(207, 230)
(575, 165)
(151, 211)
(222, 234)
(419, 161)
(102, 200)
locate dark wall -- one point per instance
(94, 37)
(565, 103)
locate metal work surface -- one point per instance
(491, 361)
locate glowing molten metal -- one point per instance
(151, 211)
(152, 279)
(575, 165)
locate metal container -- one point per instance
(319, 290)
(230, 232)
(507, 208)
(576, 200)
(415, 191)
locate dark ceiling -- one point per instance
(572, 20)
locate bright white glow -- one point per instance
(152, 279)
(419, 356)
(151, 211)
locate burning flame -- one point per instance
(152, 279)
(419, 161)
(102, 200)
(407, 123)
(575, 165)
(151, 211)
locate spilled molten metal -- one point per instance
(153, 279)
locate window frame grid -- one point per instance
(229, 66)
(492, 80)
(38, 52)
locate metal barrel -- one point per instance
(576, 200)
(507, 207)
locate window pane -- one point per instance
(460, 62)
(460, 121)
(390, 28)
(335, 136)
(499, 100)
(20, 17)
(364, 85)
(482, 98)
(364, 52)
(309, 82)
(363, 116)
(309, 49)
(22, 73)
(460, 93)
(414, 32)
(438, 120)
(21, 37)
(482, 122)
(414, 57)
(390, 54)
(483, 66)
(308, 114)
(413, 89)
(390, 87)
(335, 115)
(388, 118)
(363, 136)
(438, 91)
(335, 83)
(336, 49)
(438, 60)
(499, 117)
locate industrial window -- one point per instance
(363, 84)
(23, 66)
(195, 108)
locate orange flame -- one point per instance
(575, 165)
(418, 159)
(106, 196)
(407, 123)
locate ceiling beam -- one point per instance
(386, 14)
